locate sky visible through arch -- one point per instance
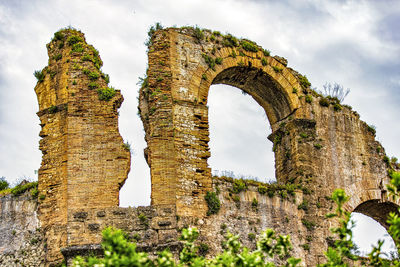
(354, 43)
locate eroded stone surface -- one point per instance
(318, 148)
(84, 161)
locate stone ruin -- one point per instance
(319, 145)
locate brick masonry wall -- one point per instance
(318, 148)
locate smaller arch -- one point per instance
(377, 210)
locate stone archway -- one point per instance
(377, 210)
(173, 106)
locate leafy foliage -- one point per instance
(3, 183)
(343, 247)
(249, 46)
(238, 186)
(304, 81)
(106, 93)
(39, 75)
(73, 39)
(23, 187)
(209, 60)
(120, 252)
(213, 203)
(151, 32)
(198, 33)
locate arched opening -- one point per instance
(238, 135)
(262, 87)
(239, 125)
(371, 225)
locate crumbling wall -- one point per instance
(319, 145)
(84, 162)
(21, 240)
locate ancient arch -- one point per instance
(178, 88)
(319, 145)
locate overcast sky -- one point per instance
(354, 43)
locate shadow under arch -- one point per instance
(266, 91)
(377, 210)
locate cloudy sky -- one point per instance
(354, 43)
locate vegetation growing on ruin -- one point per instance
(19, 189)
(213, 203)
(284, 191)
(249, 46)
(3, 183)
(39, 75)
(304, 81)
(118, 251)
(106, 93)
(151, 32)
(277, 69)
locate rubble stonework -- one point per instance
(84, 160)
(319, 146)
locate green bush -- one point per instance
(151, 32)
(277, 69)
(106, 93)
(57, 57)
(218, 60)
(324, 102)
(303, 205)
(93, 85)
(94, 75)
(308, 98)
(3, 183)
(304, 81)
(249, 46)
(230, 41)
(371, 129)
(213, 202)
(308, 224)
(209, 60)
(106, 78)
(266, 52)
(303, 135)
(238, 186)
(318, 146)
(22, 188)
(203, 249)
(87, 57)
(118, 251)
(39, 75)
(198, 33)
(337, 107)
(35, 192)
(77, 48)
(127, 146)
(58, 35)
(254, 204)
(73, 39)
(262, 189)
(264, 61)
